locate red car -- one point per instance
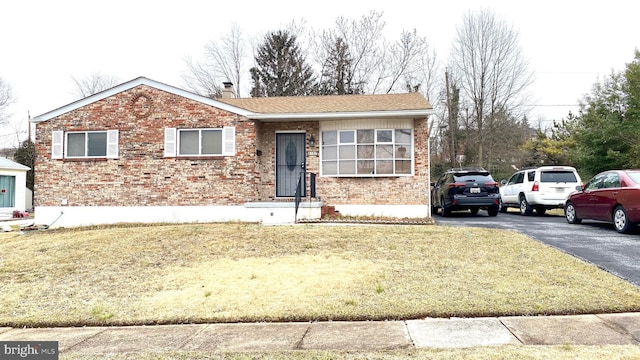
(612, 196)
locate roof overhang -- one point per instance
(264, 117)
(130, 85)
(414, 114)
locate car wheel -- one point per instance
(502, 208)
(570, 214)
(493, 211)
(434, 209)
(621, 220)
(525, 208)
(540, 210)
(446, 211)
(474, 211)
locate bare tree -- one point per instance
(425, 76)
(377, 65)
(404, 61)
(354, 56)
(492, 73)
(224, 60)
(6, 99)
(366, 45)
(93, 84)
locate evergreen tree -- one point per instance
(606, 131)
(281, 68)
(337, 72)
(26, 155)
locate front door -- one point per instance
(7, 191)
(290, 163)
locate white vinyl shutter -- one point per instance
(228, 140)
(57, 139)
(170, 142)
(112, 144)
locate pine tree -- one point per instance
(26, 155)
(606, 132)
(337, 72)
(281, 70)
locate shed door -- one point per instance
(290, 163)
(7, 191)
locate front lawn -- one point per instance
(242, 272)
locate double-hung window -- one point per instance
(85, 144)
(367, 152)
(199, 142)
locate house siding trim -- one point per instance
(341, 115)
(262, 213)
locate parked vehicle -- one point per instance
(539, 189)
(612, 196)
(465, 189)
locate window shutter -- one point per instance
(229, 140)
(170, 142)
(112, 144)
(57, 139)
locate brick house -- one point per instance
(145, 151)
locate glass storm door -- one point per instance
(290, 163)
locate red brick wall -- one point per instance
(267, 144)
(406, 190)
(142, 175)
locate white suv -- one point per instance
(542, 188)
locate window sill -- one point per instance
(85, 159)
(216, 157)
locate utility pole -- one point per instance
(29, 125)
(452, 148)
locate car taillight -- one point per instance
(535, 187)
(491, 184)
(452, 185)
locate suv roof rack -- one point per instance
(467, 169)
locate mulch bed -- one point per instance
(381, 221)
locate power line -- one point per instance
(554, 105)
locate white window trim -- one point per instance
(375, 142)
(172, 142)
(59, 144)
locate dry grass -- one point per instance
(240, 272)
(502, 352)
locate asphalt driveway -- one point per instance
(595, 242)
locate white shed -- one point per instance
(13, 186)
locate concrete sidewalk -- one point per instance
(603, 329)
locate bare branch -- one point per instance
(6, 99)
(93, 84)
(493, 73)
(224, 60)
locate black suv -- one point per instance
(465, 189)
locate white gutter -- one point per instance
(340, 115)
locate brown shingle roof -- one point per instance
(331, 104)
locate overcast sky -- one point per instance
(570, 45)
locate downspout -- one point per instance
(429, 172)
